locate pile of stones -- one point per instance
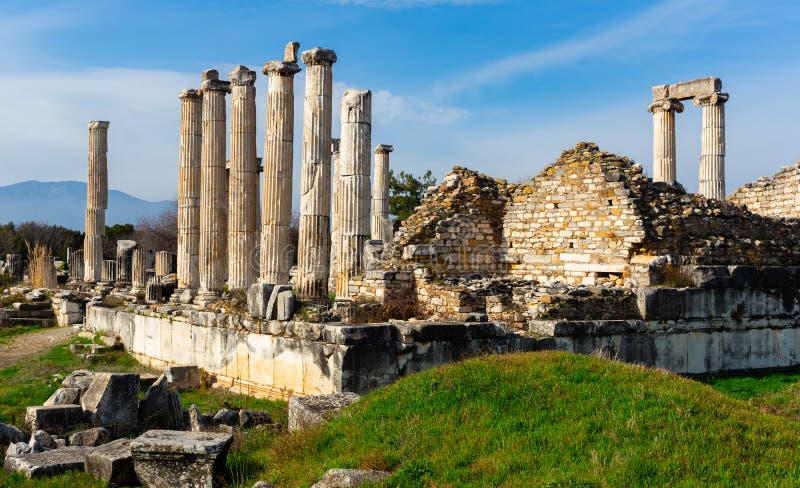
(35, 309)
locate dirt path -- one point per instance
(32, 344)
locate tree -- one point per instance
(113, 234)
(159, 233)
(406, 192)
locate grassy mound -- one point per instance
(548, 419)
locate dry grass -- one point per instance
(41, 269)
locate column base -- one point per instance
(183, 295)
(206, 298)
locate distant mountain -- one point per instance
(64, 203)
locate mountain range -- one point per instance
(64, 203)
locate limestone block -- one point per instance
(49, 463)
(272, 305)
(285, 305)
(183, 377)
(258, 296)
(112, 401)
(710, 276)
(64, 396)
(745, 277)
(113, 463)
(735, 346)
(18, 448)
(41, 441)
(53, 418)
(10, 434)
(252, 418)
(158, 408)
(90, 437)
(306, 412)
(342, 478)
(703, 353)
(169, 459)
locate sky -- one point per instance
(497, 86)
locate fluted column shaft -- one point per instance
(313, 257)
(96, 201)
(141, 261)
(664, 160)
(242, 181)
(191, 140)
(354, 206)
(381, 225)
(276, 195)
(335, 212)
(213, 204)
(712, 145)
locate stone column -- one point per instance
(124, 261)
(142, 260)
(355, 159)
(664, 166)
(189, 191)
(313, 254)
(335, 212)
(164, 263)
(242, 181)
(712, 150)
(276, 186)
(213, 204)
(109, 270)
(75, 263)
(381, 225)
(96, 201)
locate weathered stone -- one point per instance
(64, 396)
(306, 412)
(198, 422)
(41, 441)
(252, 418)
(18, 448)
(157, 409)
(710, 276)
(55, 419)
(344, 478)
(226, 417)
(258, 296)
(80, 379)
(90, 437)
(168, 459)
(285, 305)
(263, 484)
(113, 463)
(183, 377)
(271, 310)
(49, 463)
(96, 201)
(112, 401)
(10, 434)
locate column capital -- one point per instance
(99, 125)
(290, 52)
(335, 145)
(318, 55)
(665, 105)
(211, 82)
(714, 98)
(242, 76)
(189, 93)
(280, 68)
(383, 148)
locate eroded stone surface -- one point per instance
(183, 377)
(344, 478)
(307, 412)
(64, 396)
(112, 401)
(113, 462)
(9, 434)
(53, 418)
(49, 463)
(90, 437)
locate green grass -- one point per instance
(7, 333)
(547, 419)
(752, 386)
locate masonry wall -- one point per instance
(778, 196)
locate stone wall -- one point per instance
(778, 196)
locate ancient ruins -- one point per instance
(589, 255)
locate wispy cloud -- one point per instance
(663, 20)
(20, 32)
(403, 4)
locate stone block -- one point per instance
(258, 295)
(342, 478)
(113, 463)
(710, 276)
(55, 419)
(80, 379)
(10, 434)
(49, 463)
(777, 277)
(169, 459)
(90, 437)
(306, 412)
(660, 303)
(271, 311)
(41, 441)
(252, 418)
(285, 305)
(112, 401)
(183, 377)
(158, 409)
(64, 396)
(18, 448)
(745, 277)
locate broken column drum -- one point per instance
(276, 197)
(164, 263)
(189, 191)
(75, 263)
(213, 203)
(381, 224)
(313, 256)
(712, 151)
(96, 201)
(141, 262)
(664, 162)
(354, 161)
(242, 181)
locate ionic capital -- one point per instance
(280, 68)
(99, 125)
(319, 55)
(713, 98)
(189, 94)
(383, 148)
(665, 105)
(242, 76)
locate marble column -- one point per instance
(213, 204)
(96, 201)
(335, 212)
(109, 274)
(243, 181)
(355, 159)
(75, 263)
(664, 162)
(142, 261)
(381, 224)
(712, 145)
(313, 254)
(164, 263)
(276, 186)
(124, 262)
(191, 139)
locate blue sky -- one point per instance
(498, 86)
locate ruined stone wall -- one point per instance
(778, 196)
